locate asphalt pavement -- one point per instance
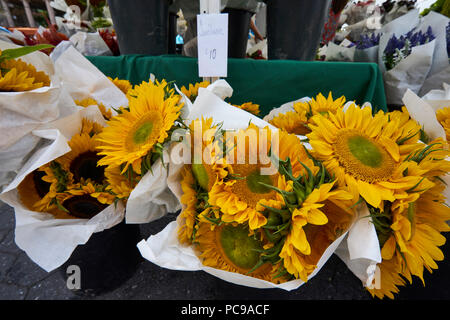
(22, 279)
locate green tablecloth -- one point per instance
(267, 83)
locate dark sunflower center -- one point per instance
(239, 247)
(143, 132)
(83, 207)
(85, 166)
(42, 187)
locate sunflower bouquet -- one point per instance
(61, 196)
(382, 159)
(274, 227)
(273, 222)
(29, 97)
(133, 146)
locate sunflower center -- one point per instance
(85, 166)
(239, 249)
(143, 132)
(83, 207)
(365, 151)
(248, 183)
(256, 181)
(363, 157)
(202, 174)
(42, 187)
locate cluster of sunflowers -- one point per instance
(273, 225)
(106, 163)
(17, 75)
(386, 161)
(257, 201)
(277, 226)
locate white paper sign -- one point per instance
(212, 39)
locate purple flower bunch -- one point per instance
(399, 48)
(366, 41)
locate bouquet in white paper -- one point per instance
(30, 95)
(380, 160)
(60, 196)
(251, 223)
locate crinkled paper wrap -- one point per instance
(426, 67)
(49, 242)
(22, 112)
(84, 80)
(423, 110)
(164, 249)
(409, 73)
(90, 44)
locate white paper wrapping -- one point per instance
(423, 110)
(409, 73)
(49, 242)
(151, 199)
(22, 112)
(90, 44)
(83, 80)
(360, 250)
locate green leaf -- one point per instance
(22, 51)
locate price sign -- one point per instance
(212, 41)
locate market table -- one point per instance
(267, 83)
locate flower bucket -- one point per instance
(238, 27)
(294, 28)
(107, 260)
(142, 28)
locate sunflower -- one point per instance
(411, 242)
(133, 134)
(189, 201)
(123, 85)
(107, 113)
(249, 107)
(291, 122)
(82, 160)
(16, 75)
(198, 178)
(297, 121)
(231, 247)
(192, 92)
(364, 152)
(206, 145)
(90, 127)
(319, 105)
(33, 191)
(85, 200)
(238, 194)
(312, 226)
(119, 184)
(443, 116)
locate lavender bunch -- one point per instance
(398, 49)
(366, 41)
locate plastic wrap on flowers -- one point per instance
(30, 95)
(60, 196)
(288, 220)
